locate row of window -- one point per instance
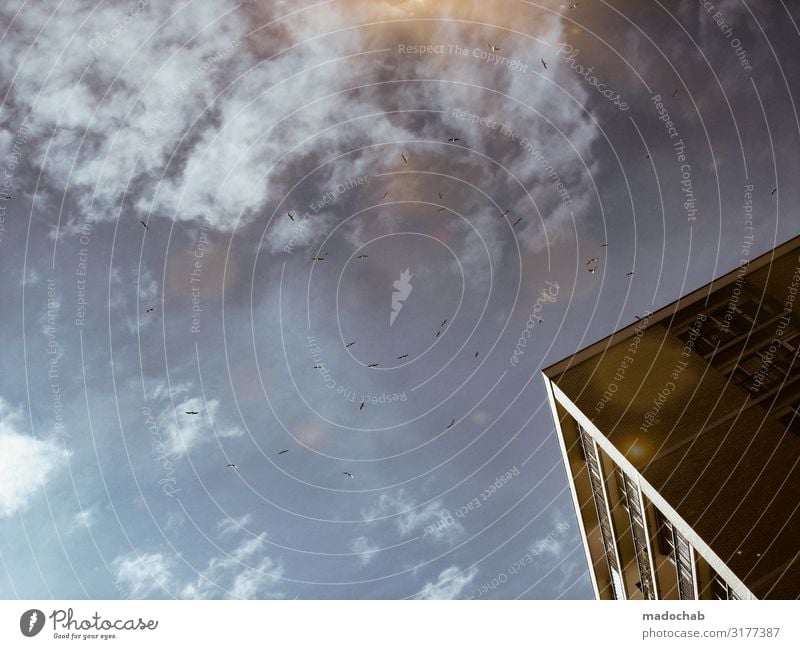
(669, 541)
(738, 337)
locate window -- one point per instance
(666, 536)
(720, 588)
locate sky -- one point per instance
(204, 203)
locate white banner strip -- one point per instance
(389, 624)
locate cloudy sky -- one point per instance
(452, 165)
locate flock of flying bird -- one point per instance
(592, 265)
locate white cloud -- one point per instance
(449, 585)
(245, 573)
(554, 542)
(85, 519)
(366, 549)
(166, 79)
(144, 575)
(432, 520)
(27, 463)
(182, 432)
(232, 525)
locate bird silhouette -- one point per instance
(385, 195)
(286, 450)
(318, 367)
(440, 196)
(149, 309)
(444, 322)
(772, 193)
(373, 365)
(362, 256)
(290, 215)
(506, 213)
(591, 260)
(476, 354)
(453, 139)
(441, 209)
(517, 222)
(405, 160)
(232, 466)
(361, 407)
(192, 412)
(452, 423)
(494, 48)
(592, 270)
(347, 474)
(438, 333)
(544, 64)
(350, 344)
(400, 358)
(675, 92)
(605, 245)
(629, 274)
(318, 259)
(144, 225)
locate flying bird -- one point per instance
(675, 92)
(373, 365)
(544, 64)
(192, 412)
(286, 450)
(362, 256)
(405, 160)
(773, 191)
(452, 423)
(290, 215)
(440, 196)
(438, 333)
(605, 245)
(400, 358)
(144, 225)
(350, 344)
(441, 209)
(629, 274)
(591, 260)
(385, 195)
(494, 48)
(361, 407)
(232, 466)
(318, 259)
(476, 354)
(318, 367)
(347, 474)
(453, 139)
(507, 212)
(517, 222)
(149, 309)
(444, 322)
(591, 270)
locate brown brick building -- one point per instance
(681, 438)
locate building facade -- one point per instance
(681, 438)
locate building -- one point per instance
(681, 438)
